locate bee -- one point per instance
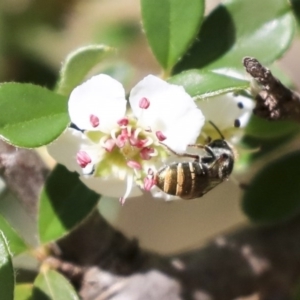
(193, 179)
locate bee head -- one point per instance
(224, 154)
(220, 143)
(226, 162)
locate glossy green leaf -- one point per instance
(204, 84)
(65, 201)
(170, 27)
(239, 28)
(23, 291)
(7, 277)
(16, 244)
(50, 285)
(274, 193)
(78, 64)
(262, 128)
(31, 116)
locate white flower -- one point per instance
(115, 148)
(228, 112)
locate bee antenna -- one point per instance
(217, 129)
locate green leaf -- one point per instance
(239, 28)
(204, 84)
(23, 291)
(65, 201)
(31, 116)
(274, 193)
(7, 278)
(16, 244)
(78, 64)
(296, 9)
(50, 285)
(261, 128)
(170, 27)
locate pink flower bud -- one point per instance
(94, 120)
(161, 137)
(83, 159)
(144, 103)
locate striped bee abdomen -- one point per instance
(186, 180)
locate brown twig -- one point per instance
(24, 174)
(254, 260)
(275, 101)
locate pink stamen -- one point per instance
(144, 103)
(128, 189)
(129, 131)
(134, 141)
(109, 145)
(136, 132)
(83, 159)
(141, 143)
(161, 137)
(146, 153)
(123, 122)
(134, 165)
(122, 200)
(122, 138)
(149, 181)
(94, 120)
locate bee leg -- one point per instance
(196, 157)
(197, 146)
(219, 159)
(210, 151)
(205, 147)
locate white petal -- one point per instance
(166, 100)
(223, 110)
(111, 187)
(101, 96)
(184, 131)
(172, 111)
(65, 148)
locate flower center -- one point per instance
(134, 144)
(126, 152)
(128, 149)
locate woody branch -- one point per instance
(103, 264)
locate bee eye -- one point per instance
(225, 156)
